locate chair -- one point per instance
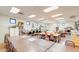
(51, 38)
(6, 42)
(70, 43)
(46, 36)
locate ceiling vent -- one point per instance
(72, 17)
(21, 13)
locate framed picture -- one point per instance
(12, 21)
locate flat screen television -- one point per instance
(12, 21)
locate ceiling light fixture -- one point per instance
(32, 16)
(57, 15)
(14, 10)
(49, 9)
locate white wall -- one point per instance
(4, 24)
(59, 24)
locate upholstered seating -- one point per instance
(70, 43)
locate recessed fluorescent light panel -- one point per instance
(14, 10)
(57, 15)
(32, 16)
(49, 9)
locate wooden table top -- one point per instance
(54, 34)
(29, 44)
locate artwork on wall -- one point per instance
(12, 21)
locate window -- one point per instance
(27, 22)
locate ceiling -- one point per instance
(67, 11)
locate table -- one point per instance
(55, 35)
(29, 44)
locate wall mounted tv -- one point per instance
(12, 21)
